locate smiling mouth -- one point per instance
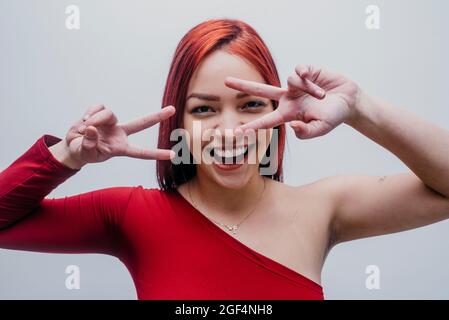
(231, 156)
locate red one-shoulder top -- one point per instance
(171, 250)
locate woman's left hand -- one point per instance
(315, 102)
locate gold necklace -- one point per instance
(233, 228)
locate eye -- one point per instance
(201, 109)
(255, 104)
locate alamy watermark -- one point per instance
(372, 21)
(372, 282)
(73, 279)
(72, 20)
(223, 149)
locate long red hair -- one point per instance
(234, 36)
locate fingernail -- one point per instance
(321, 93)
(81, 128)
(238, 131)
(90, 134)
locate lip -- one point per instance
(230, 167)
(227, 167)
(227, 147)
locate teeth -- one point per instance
(230, 153)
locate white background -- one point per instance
(120, 57)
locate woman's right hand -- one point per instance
(97, 137)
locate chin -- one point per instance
(232, 179)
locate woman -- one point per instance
(215, 230)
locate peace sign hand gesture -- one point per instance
(316, 101)
(97, 137)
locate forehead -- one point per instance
(210, 75)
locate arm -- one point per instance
(83, 223)
(369, 205)
(87, 222)
(315, 102)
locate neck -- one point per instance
(230, 201)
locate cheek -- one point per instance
(188, 128)
(198, 137)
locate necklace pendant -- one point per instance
(233, 229)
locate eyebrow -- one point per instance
(210, 97)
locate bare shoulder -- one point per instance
(316, 203)
(316, 200)
(323, 193)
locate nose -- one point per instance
(229, 121)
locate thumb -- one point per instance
(90, 138)
(309, 130)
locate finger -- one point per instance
(296, 83)
(255, 88)
(92, 110)
(269, 120)
(309, 130)
(104, 148)
(303, 71)
(74, 130)
(308, 71)
(143, 153)
(90, 138)
(148, 121)
(101, 118)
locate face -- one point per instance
(212, 107)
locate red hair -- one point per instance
(233, 36)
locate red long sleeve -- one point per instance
(83, 223)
